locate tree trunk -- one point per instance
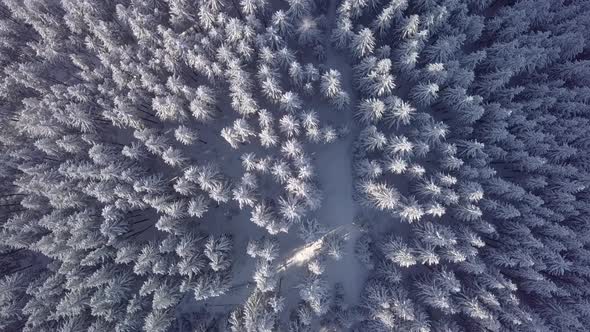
(140, 221)
(148, 120)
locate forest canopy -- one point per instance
(294, 165)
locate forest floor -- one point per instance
(338, 212)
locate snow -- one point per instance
(338, 212)
(302, 255)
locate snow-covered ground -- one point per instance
(338, 212)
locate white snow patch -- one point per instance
(302, 255)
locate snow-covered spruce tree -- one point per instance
(259, 313)
(315, 292)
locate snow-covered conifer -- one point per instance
(281, 171)
(285, 57)
(341, 101)
(217, 250)
(281, 21)
(268, 138)
(342, 34)
(198, 206)
(400, 145)
(290, 102)
(376, 80)
(328, 134)
(371, 110)
(410, 211)
(333, 245)
(262, 214)
(185, 135)
(380, 195)
(389, 15)
(331, 84)
(291, 208)
(310, 230)
(309, 119)
(266, 248)
(173, 157)
(265, 276)
(371, 139)
(425, 94)
(410, 26)
(370, 169)
(265, 118)
(314, 291)
(472, 191)
(244, 195)
(220, 192)
(398, 252)
(203, 103)
(307, 31)
(298, 187)
(296, 73)
(444, 48)
(363, 43)
(416, 170)
(316, 266)
(292, 148)
(231, 137)
(398, 112)
(289, 125)
(169, 108)
(396, 165)
(433, 132)
(271, 89)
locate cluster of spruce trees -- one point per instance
(483, 151)
(116, 118)
(121, 120)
